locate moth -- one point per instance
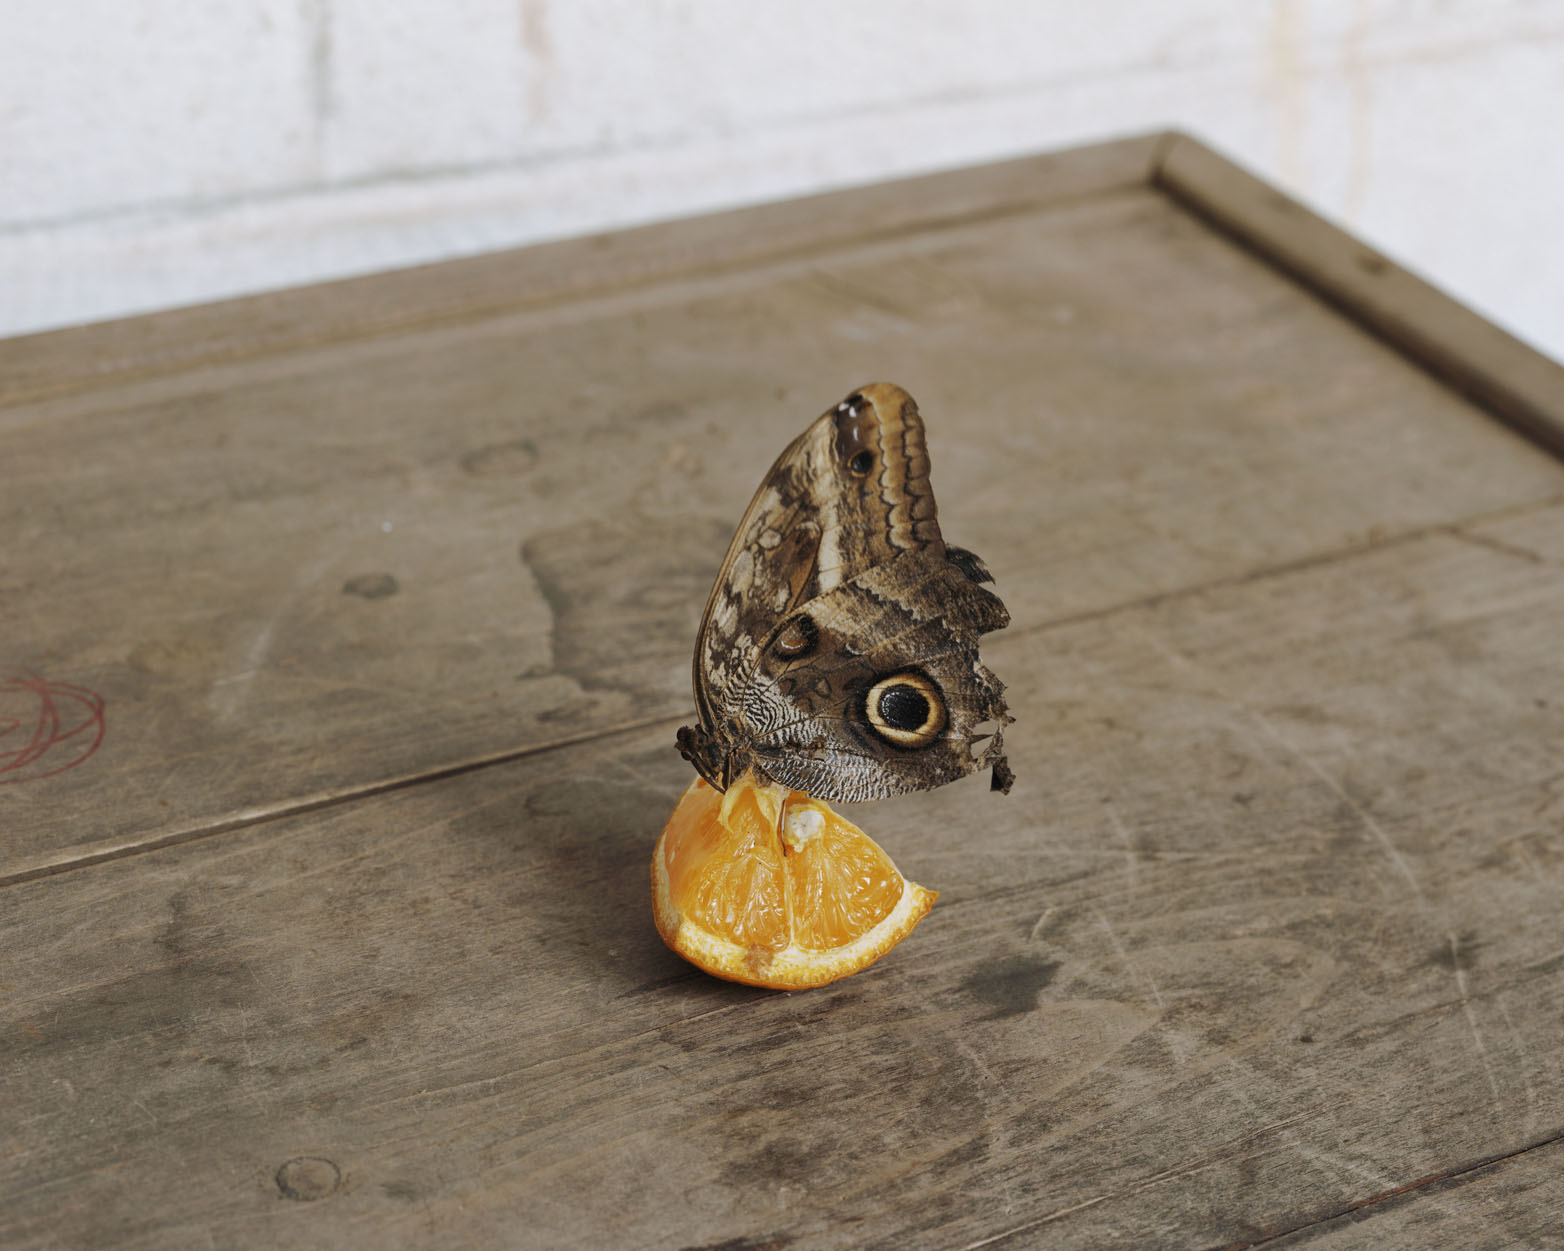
(838, 653)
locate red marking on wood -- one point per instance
(62, 725)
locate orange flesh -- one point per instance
(839, 884)
(728, 881)
(796, 889)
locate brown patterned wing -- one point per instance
(839, 649)
(848, 494)
(892, 696)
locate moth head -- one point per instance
(905, 710)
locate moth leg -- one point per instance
(703, 751)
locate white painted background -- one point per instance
(164, 152)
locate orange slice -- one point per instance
(770, 887)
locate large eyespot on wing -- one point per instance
(893, 697)
(892, 730)
(906, 710)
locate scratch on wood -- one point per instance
(1392, 852)
(1396, 858)
(1454, 1177)
(1325, 1161)
(1459, 970)
(1477, 539)
(1131, 863)
(1520, 1046)
(1033, 1224)
(969, 1053)
(1529, 861)
(1124, 958)
(228, 694)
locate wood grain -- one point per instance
(1268, 927)
(328, 570)
(1517, 1201)
(111, 354)
(1505, 376)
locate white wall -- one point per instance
(163, 152)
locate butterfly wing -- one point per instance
(838, 650)
(816, 521)
(894, 698)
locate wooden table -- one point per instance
(360, 620)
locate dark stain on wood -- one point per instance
(1458, 954)
(626, 598)
(308, 1178)
(501, 460)
(1010, 985)
(371, 586)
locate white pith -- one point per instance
(803, 825)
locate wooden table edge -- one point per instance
(544, 275)
(1505, 377)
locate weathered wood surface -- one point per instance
(1265, 947)
(1510, 380)
(305, 318)
(214, 553)
(1517, 1201)
(1268, 929)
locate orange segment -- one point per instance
(727, 873)
(770, 887)
(839, 882)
